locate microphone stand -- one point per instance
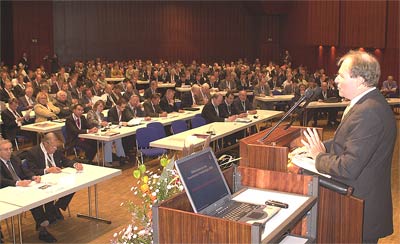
(308, 94)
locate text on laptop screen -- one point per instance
(203, 180)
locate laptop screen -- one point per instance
(202, 178)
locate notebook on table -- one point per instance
(209, 194)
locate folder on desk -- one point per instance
(209, 194)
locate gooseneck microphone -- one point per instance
(307, 95)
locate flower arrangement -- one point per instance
(151, 188)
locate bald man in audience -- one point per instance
(63, 104)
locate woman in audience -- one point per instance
(45, 110)
(96, 118)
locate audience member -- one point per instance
(45, 110)
(14, 174)
(95, 118)
(152, 106)
(45, 158)
(243, 105)
(77, 124)
(63, 104)
(211, 111)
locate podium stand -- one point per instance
(340, 217)
(175, 222)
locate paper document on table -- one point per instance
(300, 157)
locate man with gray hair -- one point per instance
(360, 154)
(45, 158)
(63, 103)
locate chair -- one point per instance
(178, 126)
(158, 127)
(197, 121)
(143, 138)
(64, 133)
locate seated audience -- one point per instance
(27, 101)
(152, 106)
(7, 93)
(14, 174)
(77, 124)
(192, 98)
(243, 105)
(135, 108)
(45, 158)
(19, 88)
(12, 122)
(118, 115)
(95, 118)
(167, 102)
(332, 112)
(211, 111)
(151, 90)
(45, 110)
(63, 104)
(226, 108)
(389, 87)
(262, 89)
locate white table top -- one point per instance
(115, 79)
(259, 196)
(43, 127)
(125, 131)
(143, 82)
(391, 101)
(166, 85)
(8, 210)
(276, 98)
(62, 184)
(221, 129)
(183, 89)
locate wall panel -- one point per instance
(170, 30)
(323, 23)
(363, 24)
(32, 30)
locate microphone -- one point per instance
(307, 95)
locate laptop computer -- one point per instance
(209, 194)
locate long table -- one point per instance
(9, 211)
(276, 98)
(342, 104)
(61, 184)
(219, 130)
(117, 132)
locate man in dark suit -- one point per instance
(151, 90)
(13, 120)
(226, 108)
(167, 102)
(7, 93)
(27, 101)
(19, 89)
(152, 106)
(211, 112)
(44, 159)
(77, 124)
(360, 154)
(13, 174)
(134, 108)
(323, 97)
(118, 115)
(192, 98)
(242, 104)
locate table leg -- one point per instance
(96, 206)
(19, 228)
(13, 229)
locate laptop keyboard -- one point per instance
(235, 210)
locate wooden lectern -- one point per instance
(340, 217)
(175, 222)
